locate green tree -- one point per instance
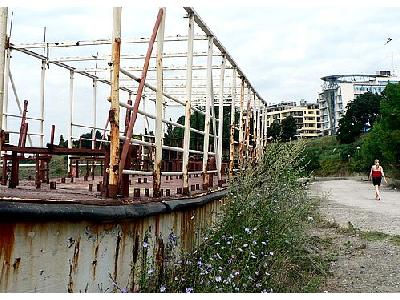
(289, 129)
(361, 111)
(274, 131)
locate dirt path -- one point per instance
(361, 236)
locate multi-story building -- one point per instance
(339, 90)
(306, 116)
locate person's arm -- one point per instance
(383, 175)
(370, 174)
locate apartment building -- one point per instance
(339, 90)
(305, 114)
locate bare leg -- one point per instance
(378, 194)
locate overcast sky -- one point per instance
(284, 51)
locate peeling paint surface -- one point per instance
(84, 256)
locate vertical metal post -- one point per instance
(159, 110)
(6, 80)
(94, 110)
(186, 138)
(232, 127)
(114, 109)
(3, 46)
(248, 122)
(42, 84)
(209, 98)
(71, 110)
(220, 117)
(241, 133)
(71, 107)
(258, 140)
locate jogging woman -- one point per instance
(377, 174)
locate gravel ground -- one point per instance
(361, 260)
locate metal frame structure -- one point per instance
(161, 82)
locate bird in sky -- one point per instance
(388, 40)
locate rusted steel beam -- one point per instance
(55, 150)
(14, 171)
(23, 121)
(37, 172)
(114, 110)
(139, 92)
(53, 129)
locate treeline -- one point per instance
(369, 130)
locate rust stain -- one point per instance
(73, 265)
(16, 263)
(7, 239)
(157, 225)
(94, 262)
(116, 256)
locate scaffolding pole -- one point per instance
(232, 127)
(3, 46)
(186, 138)
(220, 119)
(114, 109)
(206, 140)
(159, 109)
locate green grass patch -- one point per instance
(373, 235)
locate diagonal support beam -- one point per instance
(139, 95)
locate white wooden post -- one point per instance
(186, 138)
(241, 132)
(159, 110)
(71, 107)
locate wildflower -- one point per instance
(258, 285)
(256, 273)
(309, 218)
(254, 257)
(199, 263)
(189, 290)
(124, 290)
(217, 243)
(264, 243)
(218, 279)
(150, 271)
(254, 243)
(266, 273)
(228, 242)
(236, 273)
(145, 244)
(271, 253)
(176, 278)
(163, 289)
(245, 245)
(240, 249)
(247, 230)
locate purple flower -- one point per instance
(189, 290)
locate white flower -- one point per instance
(218, 279)
(199, 263)
(245, 245)
(254, 243)
(163, 289)
(247, 230)
(266, 273)
(217, 243)
(150, 271)
(145, 244)
(271, 253)
(228, 242)
(309, 218)
(258, 285)
(264, 243)
(240, 249)
(189, 290)
(253, 257)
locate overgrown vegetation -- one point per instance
(259, 243)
